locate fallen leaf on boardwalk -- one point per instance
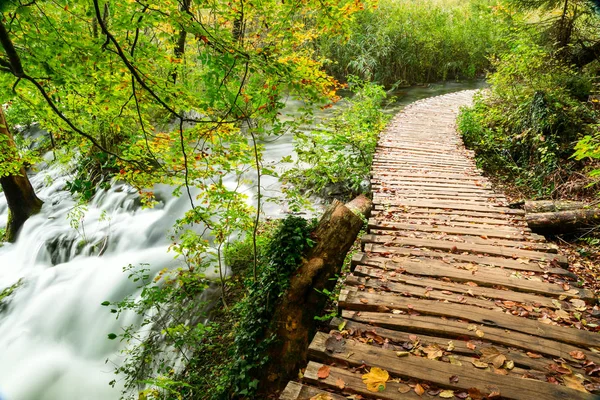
(397, 312)
(461, 395)
(333, 345)
(579, 304)
(454, 360)
(573, 382)
(402, 353)
(493, 394)
(475, 394)
(472, 284)
(510, 364)
(419, 389)
(523, 260)
(342, 325)
(323, 372)
(500, 371)
(450, 346)
(433, 352)
(494, 356)
(376, 379)
(578, 355)
(472, 327)
(453, 379)
(403, 388)
(364, 301)
(566, 287)
(413, 338)
(533, 355)
(340, 383)
(479, 333)
(322, 396)
(471, 346)
(447, 394)
(562, 314)
(479, 364)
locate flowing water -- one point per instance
(53, 329)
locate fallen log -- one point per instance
(293, 322)
(540, 206)
(563, 221)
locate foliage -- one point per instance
(337, 156)
(402, 42)
(220, 358)
(7, 292)
(238, 255)
(525, 126)
(250, 348)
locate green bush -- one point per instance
(525, 126)
(335, 160)
(402, 42)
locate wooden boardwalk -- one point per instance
(453, 296)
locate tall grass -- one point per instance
(401, 42)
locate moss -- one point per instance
(7, 292)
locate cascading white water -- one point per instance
(53, 332)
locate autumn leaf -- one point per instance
(578, 355)
(471, 346)
(376, 379)
(322, 396)
(419, 389)
(479, 333)
(479, 364)
(364, 301)
(573, 382)
(323, 372)
(494, 356)
(403, 388)
(340, 383)
(533, 355)
(447, 394)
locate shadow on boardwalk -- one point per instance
(452, 295)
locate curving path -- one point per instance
(452, 295)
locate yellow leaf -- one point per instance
(573, 382)
(447, 394)
(322, 396)
(419, 390)
(376, 379)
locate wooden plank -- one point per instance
(384, 197)
(431, 183)
(459, 344)
(457, 288)
(483, 276)
(418, 291)
(353, 383)
(460, 247)
(298, 391)
(379, 255)
(440, 217)
(516, 234)
(454, 205)
(440, 372)
(433, 189)
(382, 234)
(351, 299)
(456, 330)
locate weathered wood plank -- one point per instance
(456, 330)
(458, 247)
(298, 391)
(454, 205)
(440, 372)
(351, 299)
(383, 234)
(457, 343)
(454, 287)
(481, 275)
(508, 233)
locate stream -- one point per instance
(53, 329)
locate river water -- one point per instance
(53, 329)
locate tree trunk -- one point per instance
(294, 319)
(20, 196)
(563, 221)
(540, 206)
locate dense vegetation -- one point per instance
(407, 42)
(526, 128)
(183, 93)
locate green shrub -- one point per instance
(525, 126)
(335, 160)
(402, 42)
